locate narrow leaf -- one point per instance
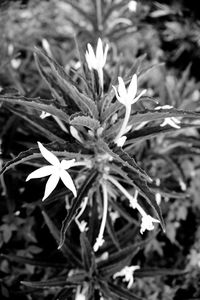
(33, 103)
(85, 121)
(87, 253)
(87, 184)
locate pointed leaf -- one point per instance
(51, 283)
(36, 104)
(33, 153)
(87, 253)
(85, 121)
(123, 157)
(117, 261)
(87, 184)
(33, 262)
(153, 115)
(86, 104)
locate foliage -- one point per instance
(135, 158)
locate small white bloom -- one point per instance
(44, 114)
(147, 223)
(57, 170)
(132, 6)
(128, 273)
(97, 61)
(172, 121)
(127, 96)
(15, 63)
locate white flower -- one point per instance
(57, 170)
(44, 114)
(127, 96)
(97, 61)
(128, 273)
(132, 6)
(172, 121)
(147, 223)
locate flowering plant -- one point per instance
(99, 126)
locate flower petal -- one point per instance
(91, 57)
(122, 89)
(99, 53)
(132, 89)
(138, 97)
(105, 55)
(51, 184)
(68, 182)
(117, 95)
(66, 164)
(41, 172)
(50, 157)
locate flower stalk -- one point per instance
(100, 240)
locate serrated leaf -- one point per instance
(87, 184)
(153, 115)
(117, 261)
(48, 79)
(152, 272)
(87, 253)
(51, 283)
(111, 110)
(153, 131)
(85, 121)
(145, 191)
(33, 262)
(34, 153)
(140, 184)
(86, 104)
(31, 102)
(111, 232)
(122, 293)
(123, 157)
(37, 124)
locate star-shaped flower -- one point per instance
(97, 61)
(128, 96)
(128, 273)
(147, 223)
(57, 171)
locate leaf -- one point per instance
(87, 253)
(122, 293)
(51, 283)
(32, 103)
(85, 121)
(117, 261)
(111, 232)
(49, 80)
(140, 184)
(145, 191)
(123, 157)
(38, 124)
(110, 110)
(34, 153)
(153, 115)
(87, 184)
(152, 272)
(82, 101)
(33, 262)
